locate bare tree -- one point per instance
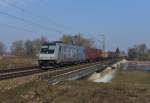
(28, 47)
(43, 39)
(37, 44)
(17, 48)
(82, 41)
(132, 53)
(2, 48)
(67, 39)
(139, 52)
(77, 40)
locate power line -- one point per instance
(18, 28)
(29, 22)
(31, 14)
(14, 6)
(101, 41)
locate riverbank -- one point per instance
(139, 62)
(127, 87)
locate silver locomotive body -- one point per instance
(58, 53)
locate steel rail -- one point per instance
(19, 72)
(17, 69)
(79, 72)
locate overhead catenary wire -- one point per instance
(17, 28)
(31, 14)
(13, 5)
(30, 22)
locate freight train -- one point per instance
(58, 53)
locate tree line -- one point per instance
(78, 40)
(139, 52)
(30, 48)
(20, 48)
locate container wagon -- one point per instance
(93, 54)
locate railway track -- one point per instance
(19, 72)
(80, 72)
(24, 71)
(17, 69)
(52, 74)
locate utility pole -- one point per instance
(103, 42)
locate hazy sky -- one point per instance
(124, 22)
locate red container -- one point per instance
(93, 54)
(99, 53)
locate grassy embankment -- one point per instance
(127, 87)
(12, 62)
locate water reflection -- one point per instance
(128, 66)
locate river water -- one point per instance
(125, 66)
(130, 66)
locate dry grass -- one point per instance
(13, 62)
(133, 77)
(128, 87)
(16, 82)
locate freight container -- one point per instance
(91, 54)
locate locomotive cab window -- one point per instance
(48, 49)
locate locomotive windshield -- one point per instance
(48, 49)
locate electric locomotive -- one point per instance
(58, 53)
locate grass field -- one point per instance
(127, 87)
(13, 62)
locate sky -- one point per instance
(124, 22)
